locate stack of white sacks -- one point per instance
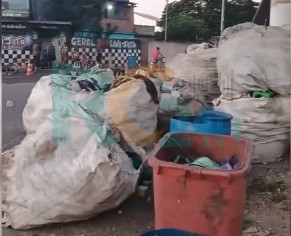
(255, 58)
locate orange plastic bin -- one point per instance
(206, 201)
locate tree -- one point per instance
(200, 19)
(187, 27)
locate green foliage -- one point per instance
(196, 20)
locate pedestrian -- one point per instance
(65, 53)
(43, 59)
(51, 54)
(99, 56)
(84, 58)
(36, 50)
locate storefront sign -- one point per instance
(14, 42)
(83, 42)
(122, 44)
(84, 39)
(13, 26)
(49, 27)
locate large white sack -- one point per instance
(254, 58)
(41, 99)
(198, 69)
(264, 121)
(77, 178)
(132, 110)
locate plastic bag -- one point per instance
(71, 168)
(263, 121)
(254, 58)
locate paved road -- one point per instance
(17, 89)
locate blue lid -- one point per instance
(217, 115)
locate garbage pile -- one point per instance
(194, 48)
(74, 162)
(192, 84)
(254, 67)
(198, 71)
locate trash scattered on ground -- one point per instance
(142, 191)
(9, 103)
(72, 139)
(206, 162)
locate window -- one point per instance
(15, 8)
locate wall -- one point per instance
(144, 30)
(121, 16)
(114, 51)
(280, 12)
(168, 49)
(124, 26)
(15, 45)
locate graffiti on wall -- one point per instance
(123, 44)
(13, 42)
(84, 39)
(89, 39)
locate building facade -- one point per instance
(25, 22)
(21, 29)
(117, 41)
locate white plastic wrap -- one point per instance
(254, 58)
(264, 121)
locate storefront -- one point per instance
(18, 38)
(114, 51)
(16, 42)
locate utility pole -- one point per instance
(222, 17)
(166, 21)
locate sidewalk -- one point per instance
(21, 77)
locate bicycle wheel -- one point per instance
(11, 69)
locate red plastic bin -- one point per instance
(206, 201)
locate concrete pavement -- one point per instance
(15, 88)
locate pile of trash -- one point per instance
(254, 78)
(74, 161)
(199, 71)
(194, 48)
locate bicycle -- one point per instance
(160, 63)
(18, 65)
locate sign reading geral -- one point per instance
(84, 39)
(15, 8)
(123, 44)
(13, 42)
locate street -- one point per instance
(15, 88)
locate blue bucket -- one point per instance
(209, 122)
(132, 62)
(170, 232)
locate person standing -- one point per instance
(99, 56)
(65, 53)
(51, 54)
(36, 50)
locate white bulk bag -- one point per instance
(254, 58)
(64, 179)
(264, 121)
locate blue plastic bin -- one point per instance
(132, 62)
(209, 122)
(170, 232)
